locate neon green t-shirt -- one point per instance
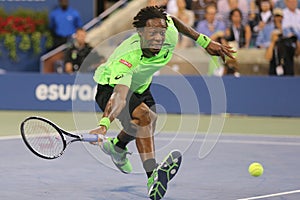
(128, 66)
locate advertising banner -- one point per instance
(256, 96)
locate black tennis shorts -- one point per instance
(133, 100)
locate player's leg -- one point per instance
(139, 127)
(145, 118)
(158, 175)
(136, 117)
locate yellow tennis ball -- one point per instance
(256, 169)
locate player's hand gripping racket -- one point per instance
(47, 140)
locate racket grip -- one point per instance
(91, 137)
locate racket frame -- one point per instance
(59, 130)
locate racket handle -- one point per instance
(91, 137)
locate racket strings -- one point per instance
(43, 138)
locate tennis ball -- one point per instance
(256, 169)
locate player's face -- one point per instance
(153, 36)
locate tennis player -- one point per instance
(124, 92)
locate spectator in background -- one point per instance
(64, 21)
(281, 49)
(281, 4)
(77, 52)
(211, 26)
(253, 9)
(280, 53)
(172, 7)
(237, 34)
(261, 19)
(215, 29)
(188, 18)
(225, 6)
(189, 4)
(264, 36)
(291, 20)
(198, 6)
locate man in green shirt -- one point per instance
(124, 92)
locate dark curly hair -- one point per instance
(150, 12)
(233, 11)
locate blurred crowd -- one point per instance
(273, 25)
(239, 21)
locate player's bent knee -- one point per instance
(144, 115)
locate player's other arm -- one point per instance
(212, 47)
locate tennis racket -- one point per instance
(47, 140)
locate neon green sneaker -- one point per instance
(119, 159)
(162, 174)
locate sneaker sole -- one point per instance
(166, 172)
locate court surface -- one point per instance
(216, 173)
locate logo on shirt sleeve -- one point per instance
(166, 55)
(128, 64)
(119, 76)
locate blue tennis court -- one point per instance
(84, 172)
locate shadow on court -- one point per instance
(84, 172)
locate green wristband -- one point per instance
(105, 122)
(203, 40)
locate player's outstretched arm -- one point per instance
(184, 29)
(113, 108)
(116, 102)
(216, 49)
(212, 47)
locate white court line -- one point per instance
(261, 142)
(225, 141)
(10, 137)
(271, 195)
